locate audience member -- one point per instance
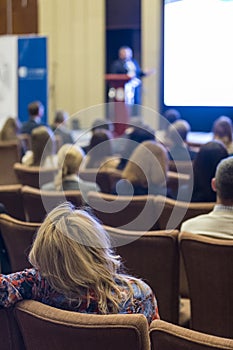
(219, 222)
(204, 167)
(36, 112)
(99, 124)
(60, 129)
(222, 131)
(10, 129)
(134, 135)
(69, 159)
(179, 149)
(146, 171)
(43, 149)
(169, 117)
(100, 149)
(74, 268)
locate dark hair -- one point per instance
(204, 168)
(33, 108)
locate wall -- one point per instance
(76, 33)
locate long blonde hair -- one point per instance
(147, 164)
(72, 252)
(69, 159)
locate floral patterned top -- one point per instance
(29, 284)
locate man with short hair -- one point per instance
(36, 112)
(219, 222)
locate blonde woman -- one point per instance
(69, 159)
(43, 149)
(146, 170)
(75, 269)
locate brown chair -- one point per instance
(17, 236)
(181, 166)
(11, 197)
(154, 257)
(9, 155)
(10, 336)
(46, 328)
(209, 269)
(33, 176)
(174, 212)
(167, 336)
(126, 212)
(176, 181)
(38, 203)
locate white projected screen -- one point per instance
(198, 53)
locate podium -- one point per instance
(116, 92)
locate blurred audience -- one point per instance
(60, 128)
(179, 150)
(204, 168)
(146, 171)
(10, 129)
(36, 112)
(222, 130)
(69, 159)
(43, 152)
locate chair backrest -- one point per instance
(17, 236)
(11, 338)
(181, 166)
(174, 212)
(9, 155)
(106, 179)
(167, 336)
(11, 197)
(34, 176)
(44, 327)
(208, 265)
(176, 181)
(38, 203)
(126, 212)
(154, 257)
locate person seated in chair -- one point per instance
(219, 222)
(75, 268)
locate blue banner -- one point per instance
(32, 74)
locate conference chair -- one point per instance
(179, 184)
(181, 166)
(175, 212)
(9, 155)
(106, 179)
(10, 335)
(167, 336)
(11, 197)
(172, 213)
(18, 237)
(154, 257)
(126, 212)
(46, 328)
(33, 176)
(209, 270)
(38, 203)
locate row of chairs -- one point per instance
(33, 325)
(139, 212)
(207, 262)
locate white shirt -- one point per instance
(217, 224)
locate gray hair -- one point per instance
(224, 179)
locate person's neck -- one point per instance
(225, 202)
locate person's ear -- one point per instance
(213, 184)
